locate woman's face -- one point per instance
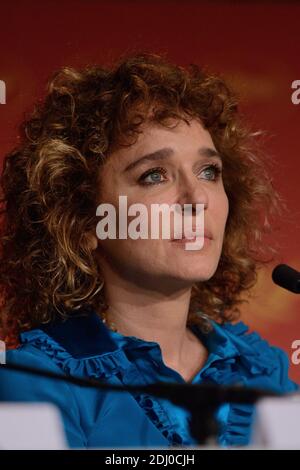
(187, 173)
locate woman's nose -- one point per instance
(191, 191)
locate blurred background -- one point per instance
(254, 45)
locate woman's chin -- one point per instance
(190, 275)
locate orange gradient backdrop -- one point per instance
(255, 46)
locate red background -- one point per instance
(255, 46)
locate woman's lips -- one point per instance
(190, 240)
(192, 237)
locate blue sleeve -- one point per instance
(21, 386)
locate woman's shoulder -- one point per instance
(257, 355)
(30, 354)
(22, 384)
(36, 350)
(251, 343)
(26, 386)
(80, 346)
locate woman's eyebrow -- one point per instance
(167, 152)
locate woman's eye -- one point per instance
(157, 175)
(153, 176)
(212, 172)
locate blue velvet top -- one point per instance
(83, 346)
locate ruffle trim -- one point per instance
(159, 418)
(100, 367)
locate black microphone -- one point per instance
(287, 277)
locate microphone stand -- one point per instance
(201, 400)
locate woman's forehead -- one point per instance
(154, 136)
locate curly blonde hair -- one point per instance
(49, 186)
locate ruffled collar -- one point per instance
(86, 335)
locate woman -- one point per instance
(135, 310)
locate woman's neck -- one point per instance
(152, 316)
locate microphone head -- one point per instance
(287, 277)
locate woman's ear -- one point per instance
(92, 240)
